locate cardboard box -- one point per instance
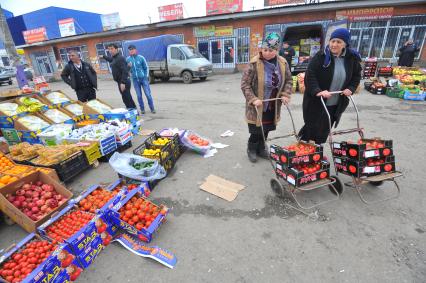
(48, 102)
(288, 158)
(89, 110)
(17, 215)
(27, 133)
(81, 239)
(299, 178)
(7, 121)
(63, 110)
(57, 263)
(361, 169)
(143, 234)
(131, 115)
(222, 188)
(360, 152)
(91, 252)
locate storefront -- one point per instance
(229, 41)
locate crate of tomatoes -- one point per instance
(363, 148)
(138, 216)
(303, 174)
(37, 260)
(296, 154)
(365, 168)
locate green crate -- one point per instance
(395, 92)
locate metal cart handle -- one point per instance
(357, 129)
(288, 110)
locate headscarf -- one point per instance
(272, 41)
(343, 34)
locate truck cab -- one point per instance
(185, 61)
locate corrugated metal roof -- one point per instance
(308, 8)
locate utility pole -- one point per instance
(9, 45)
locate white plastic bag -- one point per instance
(120, 162)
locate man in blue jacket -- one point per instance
(140, 77)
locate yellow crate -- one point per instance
(92, 152)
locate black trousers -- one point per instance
(319, 131)
(257, 137)
(127, 96)
(86, 94)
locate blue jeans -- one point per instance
(144, 83)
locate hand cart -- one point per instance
(375, 180)
(280, 187)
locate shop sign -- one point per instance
(111, 21)
(204, 31)
(216, 7)
(224, 31)
(366, 14)
(35, 35)
(171, 12)
(67, 27)
(268, 3)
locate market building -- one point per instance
(379, 28)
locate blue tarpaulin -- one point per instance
(153, 48)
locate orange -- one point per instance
(5, 179)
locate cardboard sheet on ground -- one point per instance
(146, 132)
(222, 188)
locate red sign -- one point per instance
(35, 35)
(171, 12)
(282, 2)
(215, 7)
(366, 14)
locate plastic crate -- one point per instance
(162, 156)
(414, 96)
(395, 92)
(70, 167)
(92, 152)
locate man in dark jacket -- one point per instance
(120, 74)
(407, 54)
(287, 52)
(81, 77)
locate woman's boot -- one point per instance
(252, 151)
(262, 151)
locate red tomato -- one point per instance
(353, 152)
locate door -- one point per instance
(222, 53)
(176, 61)
(203, 48)
(365, 43)
(44, 65)
(405, 35)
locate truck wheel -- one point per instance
(165, 79)
(10, 82)
(187, 77)
(203, 79)
(151, 78)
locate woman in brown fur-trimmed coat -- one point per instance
(267, 76)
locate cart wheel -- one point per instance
(277, 188)
(338, 186)
(376, 184)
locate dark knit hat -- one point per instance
(343, 34)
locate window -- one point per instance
(419, 37)
(176, 54)
(5, 61)
(378, 37)
(102, 49)
(81, 51)
(408, 21)
(364, 46)
(355, 37)
(243, 44)
(390, 43)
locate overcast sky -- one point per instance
(131, 12)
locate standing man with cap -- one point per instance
(407, 53)
(120, 74)
(81, 77)
(337, 68)
(140, 77)
(287, 52)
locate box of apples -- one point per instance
(368, 167)
(303, 174)
(296, 154)
(31, 200)
(138, 216)
(37, 260)
(363, 149)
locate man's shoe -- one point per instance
(142, 111)
(153, 111)
(251, 151)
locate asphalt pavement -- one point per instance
(259, 237)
